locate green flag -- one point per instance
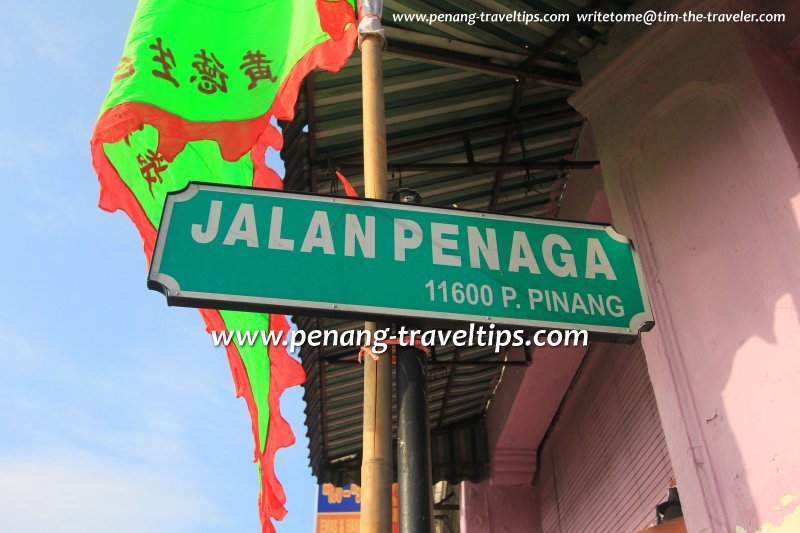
(192, 100)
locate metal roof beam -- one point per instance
(458, 134)
(530, 64)
(438, 56)
(560, 34)
(476, 167)
(449, 43)
(516, 101)
(448, 389)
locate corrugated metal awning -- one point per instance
(477, 117)
(457, 398)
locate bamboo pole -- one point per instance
(376, 461)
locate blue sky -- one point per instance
(116, 412)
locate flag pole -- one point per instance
(376, 461)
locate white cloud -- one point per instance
(41, 205)
(76, 491)
(7, 49)
(18, 152)
(108, 441)
(145, 385)
(48, 38)
(16, 349)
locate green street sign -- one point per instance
(242, 248)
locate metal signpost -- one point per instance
(414, 468)
(242, 248)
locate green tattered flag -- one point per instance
(191, 100)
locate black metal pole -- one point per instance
(414, 472)
(413, 442)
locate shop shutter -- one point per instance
(604, 465)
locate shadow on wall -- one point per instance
(723, 256)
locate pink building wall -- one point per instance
(605, 464)
(698, 132)
(498, 509)
(699, 156)
(594, 469)
(516, 428)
